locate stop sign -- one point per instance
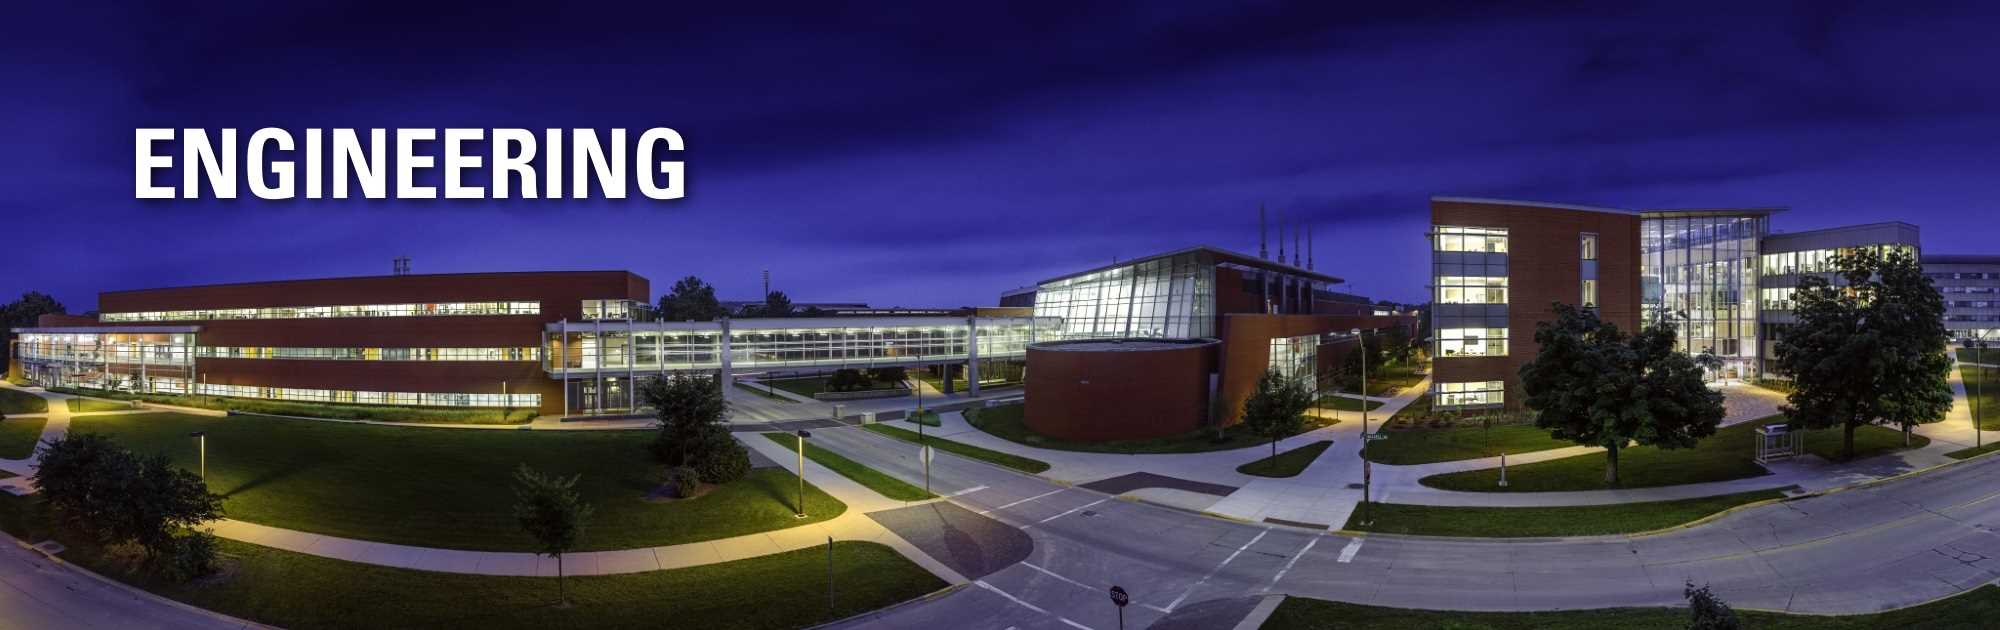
(1119, 597)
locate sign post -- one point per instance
(1120, 599)
(927, 455)
(803, 434)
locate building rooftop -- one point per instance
(1661, 213)
(1120, 345)
(1219, 254)
(1529, 204)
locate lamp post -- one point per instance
(1367, 471)
(201, 445)
(1979, 368)
(803, 434)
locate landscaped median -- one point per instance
(1286, 464)
(300, 591)
(13, 401)
(92, 405)
(1016, 462)
(1007, 422)
(449, 488)
(882, 484)
(1418, 436)
(1534, 522)
(1976, 608)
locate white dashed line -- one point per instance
(1073, 510)
(1218, 568)
(1353, 547)
(1055, 575)
(1011, 598)
(1289, 563)
(1038, 496)
(1073, 624)
(966, 491)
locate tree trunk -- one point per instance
(1611, 466)
(1274, 455)
(1906, 436)
(562, 597)
(1847, 441)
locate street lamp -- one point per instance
(1979, 369)
(803, 434)
(1367, 471)
(201, 442)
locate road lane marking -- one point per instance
(1055, 575)
(1218, 568)
(1353, 547)
(1010, 597)
(1289, 563)
(1073, 624)
(966, 491)
(1074, 510)
(1038, 496)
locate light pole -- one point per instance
(1367, 471)
(1979, 369)
(803, 434)
(201, 444)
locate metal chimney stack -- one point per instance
(1263, 235)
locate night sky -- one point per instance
(936, 155)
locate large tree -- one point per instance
(22, 313)
(1276, 410)
(776, 304)
(690, 299)
(1595, 385)
(691, 432)
(1868, 349)
(550, 511)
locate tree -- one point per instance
(776, 304)
(550, 512)
(1397, 345)
(23, 313)
(1594, 385)
(1708, 611)
(1276, 410)
(1870, 349)
(688, 407)
(1347, 376)
(848, 380)
(690, 299)
(892, 375)
(116, 497)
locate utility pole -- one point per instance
(1367, 471)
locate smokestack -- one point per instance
(1281, 243)
(1263, 235)
(1295, 247)
(1309, 247)
(767, 283)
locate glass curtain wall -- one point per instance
(1297, 357)
(133, 362)
(805, 347)
(1171, 297)
(1699, 273)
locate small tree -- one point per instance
(691, 299)
(550, 512)
(1708, 611)
(1871, 349)
(1277, 409)
(689, 407)
(776, 304)
(1594, 385)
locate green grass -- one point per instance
(1389, 380)
(876, 480)
(19, 435)
(1006, 422)
(1778, 385)
(381, 413)
(927, 418)
(1971, 610)
(1869, 441)
(1992, 355)
(816, 384)
(294, 590)
(1722, 457)
(1016, 462)
(1425, 446)
(1968, 453)
(14, 401)
(761, 392)
(1982, 385)
(1343, 403)
(448, 487)
(1286, 464)
(1518, 522)
(89, 405)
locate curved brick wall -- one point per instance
(1106, 390)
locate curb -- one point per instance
(136, 591)
(920, 599)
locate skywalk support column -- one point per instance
(723, 377)
(972, 356)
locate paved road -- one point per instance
(37, 593)
(1889, 545)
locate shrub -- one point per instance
(1709, 612)
(683, 481)
(690, 408)
(721, 459)
(847, 380)
(185, 557)
(889, 375)
(115, 497)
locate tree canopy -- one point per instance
(1595, 385)
(116, 497)
(22, 313)
(690, 299)
(1276, 410)
(552, 513)
(1870, 348)
(691, 432)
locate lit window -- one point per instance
(1472, 342)
(1470, 239)
(1589, 294)
(1472, 290)
(1473, 394)
(1590, 247)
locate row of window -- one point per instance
(1472, 290)
(130, 383)
(1969, 289)
(1820, 260)
(322, 312)
(371, 354)
(1970, 304)
(1972, 318)
(1476, 393)
(1967, 275)
(1472, 342)
(1447, 238)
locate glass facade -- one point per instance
(1698, 271)
(370, 354)
(1472, 342)
(1821, 260)
(1297, 357)
(127, 361)
(1171, 297)
(804, 343)
(1469, 292)
(1472, 394)
(321, 312)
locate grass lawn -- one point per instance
(1288, 463)
(381, 413)
(1725, 456)
(1016, 462)
(1424, 446)
(19, 435)
(14, 401)
(1343, 403)
(1968, 453)
(958, 384)
(1504, 522)
(816, 384)
(87, 405)
(1868, 441)
(1986, 382)
(449, 487)
(294, 590)
(882, 484)
(760, 391)
(1973, 609)
(1389, 380)
(1779, 385)
(1005, 422)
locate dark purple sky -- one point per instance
(937, 154)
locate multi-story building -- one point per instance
(1718, 274)
(1971, 288)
